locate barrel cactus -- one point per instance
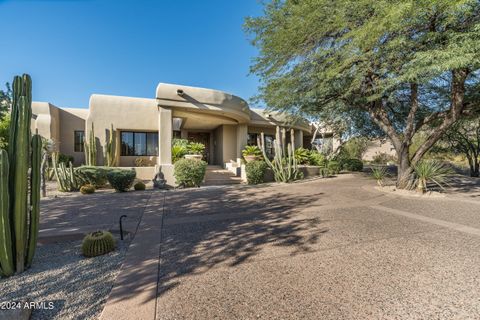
(20, 185)
(98, 243)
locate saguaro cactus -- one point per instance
(110, 155)
(91, 149)
(19, 194)
(284, 164)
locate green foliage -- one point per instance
(353, 165)
(431, 171)
(380, 66)
(196, 148)
(19, 184)
(355, 147)
(4, 131)
(98, 243)
(96, 176)
(67, 180)
(464, 139)
(252, 151)
(255, 171)
(178, 152)
(87, 189)
(6, 97)
(139, 186)
(284, 165)
(379, 174)
(302, 156)
(333, 167)
(180, 142)
(121, 179)
(189, 172)
(65, 158)
(323, 172)
(315, 158)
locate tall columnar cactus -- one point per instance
(19, 192)
(284, 164)
(67, 180)
(91, 148)
(110, 155)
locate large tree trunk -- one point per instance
(474, 167)
(404, 174)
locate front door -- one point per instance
(202, 137)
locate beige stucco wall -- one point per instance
(47, 121)
(71, 120)
(125, 113)
(378, 146)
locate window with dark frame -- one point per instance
(79, 137)
(139, 143)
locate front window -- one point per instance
(269, 146)
(139, 143)
(79, 137)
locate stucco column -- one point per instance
(298, 134)
(164, 136)
(242, 138)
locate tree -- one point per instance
(395, 65)
(5, 100)
(464, 138)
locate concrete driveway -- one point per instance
(325, 249)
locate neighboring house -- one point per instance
(144, 128)
(377, 147)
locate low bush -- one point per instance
(144, 162)
(189, 172)
(315, 158)
(139, 186)
(353, 165)
(120, 179)
(255, 171)
(65, 158)
(302, 156)
(96, 176)
(333, 167)
(383, 158)
(87, 189)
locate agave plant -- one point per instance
(431, 171)
(379, 174)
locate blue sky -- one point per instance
(75, 48)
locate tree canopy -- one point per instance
(393, 65)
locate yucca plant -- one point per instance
(379, 174)
(431, 171)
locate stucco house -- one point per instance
(145, 127)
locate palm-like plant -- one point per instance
(379, 174)
(252, 151)
(431, 170)
(302, 155)
(196, 148)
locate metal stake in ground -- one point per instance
(121, 225)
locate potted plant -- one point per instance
(251, 153)
(195, 151)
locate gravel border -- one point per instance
(77, 286)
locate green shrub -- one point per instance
(96, 176)
(143, 162)
(87, 189)
(333, 167)
(255, 171)
(120, 179)
(139, 186)
(383, 158)
(196, 148)
(98, 243)
(302, 156)
(315, 158)
(178, 152)
(189, 172)
(432, 171)
(379, 174)
(353, 165)
(65, 158)
(252, 151)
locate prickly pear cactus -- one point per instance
(98, 243)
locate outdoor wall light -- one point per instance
(180, 92)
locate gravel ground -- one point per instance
(77, 286)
